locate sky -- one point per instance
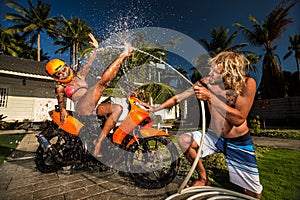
(194, 18)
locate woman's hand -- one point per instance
(63, 115)
(94, 42)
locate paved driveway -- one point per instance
(20, 180)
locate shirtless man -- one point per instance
(229, 95)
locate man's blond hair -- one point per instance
(233, 72)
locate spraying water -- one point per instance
(203, 120)
(161, 60)
(156, 58)
(159, 36)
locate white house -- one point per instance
(27, 93)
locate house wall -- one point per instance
(28, 99)
(28, 109)
(21, 86)
(281, 112)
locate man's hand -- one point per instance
(201, 92)
(151, 109)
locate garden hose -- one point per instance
(203, 123)
(209, 193)
(187, 178)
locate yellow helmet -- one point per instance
(54, 66)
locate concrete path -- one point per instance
(277, 143)
(20, 180)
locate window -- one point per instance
(3, 97)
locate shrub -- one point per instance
(255, 125)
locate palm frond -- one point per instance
(158, 91)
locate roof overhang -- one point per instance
(25, 75)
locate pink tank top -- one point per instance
(71, 89)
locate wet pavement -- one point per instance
(21, 180)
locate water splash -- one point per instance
(161, 60)
(153, 38)
(148, 54)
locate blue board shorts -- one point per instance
(239, 154)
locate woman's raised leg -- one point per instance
(113, 111)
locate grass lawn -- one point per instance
(8, 142)
(280, 171)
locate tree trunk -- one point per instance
(297, 64)
(76, 55)
(73, 55)
(39, 48)
(272, 83)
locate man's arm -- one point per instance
(237, 115)
(174, 100)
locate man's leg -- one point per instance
(241, 161)
(190, 148)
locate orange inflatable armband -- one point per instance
(71, 125)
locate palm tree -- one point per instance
(221, 41)
(196, 76)
(294, 47)
(8, 44)
(31, 22)
(72, 35)
(265, 35)
(157, 91)
(15, 45)
(30, 52)
(253, 59)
